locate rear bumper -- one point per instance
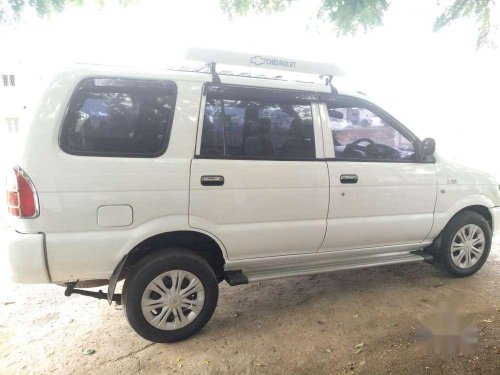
(23, 257)
(495, 215)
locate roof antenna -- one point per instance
(213, 72)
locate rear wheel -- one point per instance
(466, 244)
(170, 295)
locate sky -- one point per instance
(437, 84)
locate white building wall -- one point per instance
(16, 102)
(11, 107)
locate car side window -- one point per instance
(119, 117)
(246, 123)
(360, 134)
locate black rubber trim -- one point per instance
(83, 85)
(220, 157)
(235, 278)
(313, 96)
(45, 257)
(113, 280)
(250, 92)
(427, 257)
(254, 158)
(341, 99)
(383, 161)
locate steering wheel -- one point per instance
(355, 150)
(357, 142)
(382, 151)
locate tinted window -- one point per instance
(114, 117)
(360, 134)
(255, 123)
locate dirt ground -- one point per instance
(303, 325)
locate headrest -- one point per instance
(296, 128)
(264, 124)
(308, 130)
(301, 129)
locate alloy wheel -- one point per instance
(173, 300)
(467, 246)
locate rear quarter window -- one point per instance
(119, 117)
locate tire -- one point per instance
(156, 323)
(455, 262)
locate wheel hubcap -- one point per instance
(467, 246)
(172, 300)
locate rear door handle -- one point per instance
(348, 178)
(212, 180)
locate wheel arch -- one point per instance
(198, 242)
(480, 203)
(480, 208)
(477, 208)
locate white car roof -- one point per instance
(83, 70)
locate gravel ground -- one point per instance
(303, 325)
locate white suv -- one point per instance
(175, 182)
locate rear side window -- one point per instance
(119, 117)
(257, 123)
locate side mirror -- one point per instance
(428, 146)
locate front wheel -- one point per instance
(170, 295)
(466, 244)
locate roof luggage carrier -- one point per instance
(212, 57)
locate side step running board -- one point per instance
(235, 278)
(251, 275)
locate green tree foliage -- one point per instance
(480, 9)
(12, 9)
(346, 16)
(349, 16)
(242, 7)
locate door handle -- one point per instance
(348, 178)
(212, 180)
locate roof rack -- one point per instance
(213, 57)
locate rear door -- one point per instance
(381, 193)
(258, 180)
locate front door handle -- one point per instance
(349, 178)
(212, 180)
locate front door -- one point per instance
(381, 194)
(259, 182)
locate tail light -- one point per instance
(22, 198)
